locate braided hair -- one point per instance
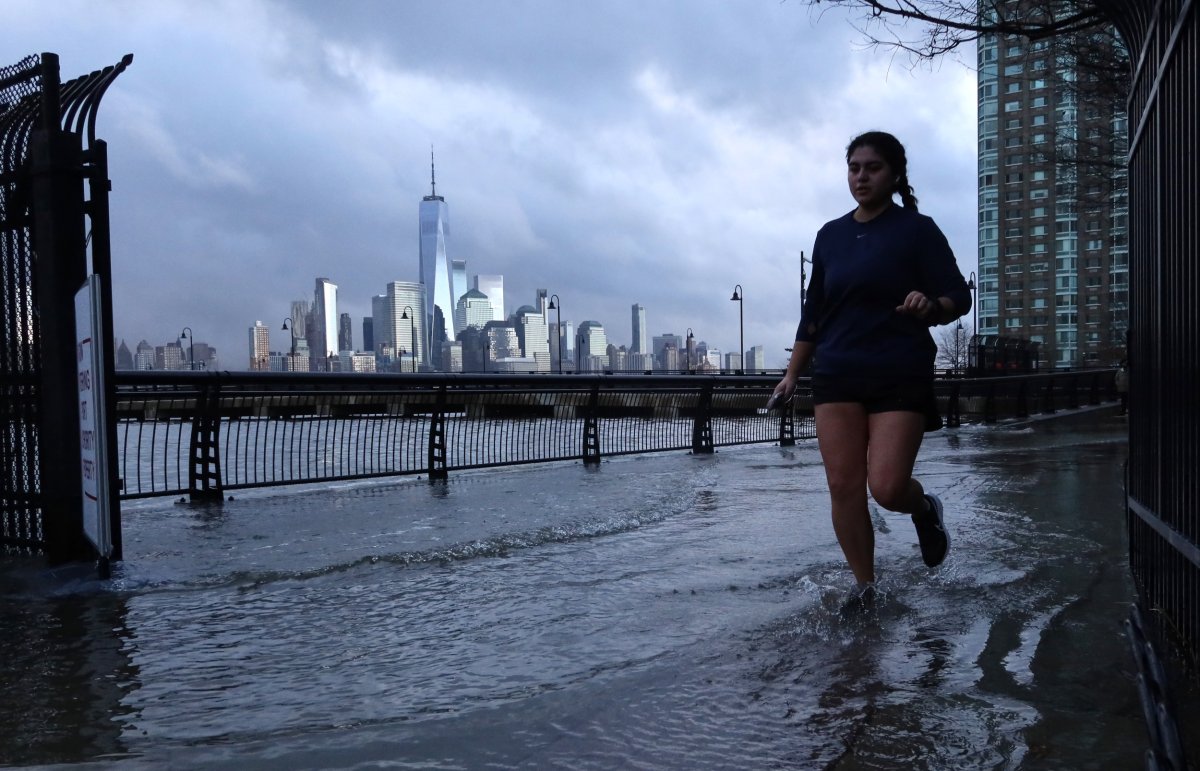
(893, 153)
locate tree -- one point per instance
(953, 343)
(1090, 69)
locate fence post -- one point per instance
(437, 437)
(702, 439)
(204, 463)
(1048, 397)
(591, 431)
(953, 416)
(787, 425)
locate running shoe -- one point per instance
(931, 532)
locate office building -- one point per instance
(260, 347)
(368, 331)
(458, 284)
(493, 287)
(324, 329)
(435, 270)
(405, 312)
(639, 329)
(169, 357)
(756, 359)
(345, 333)
(1053, 250)
(143, 357)
(474, 310)
(533, 336)
(659, 344)
(591, 347)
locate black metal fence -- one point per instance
(205, 433)
(1163, 506)
(48, 220)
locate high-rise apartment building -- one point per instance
(639, 329)
(1053, 217)
(493, 287)
(435, 270)
(323, 342)
(260, 347)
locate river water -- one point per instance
(662, 611)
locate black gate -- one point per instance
(1163, 507)
(49, 154)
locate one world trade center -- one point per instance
(435, 272)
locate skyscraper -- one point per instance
(299, 326)
(493, 287)
(1053, 250)
(591, 348)
(458, 284)
(325, 327)
(474, 310)
(260, 347)
(345, 333)
(406, 299)
(435, 270)
(639, 329)
(533, 336)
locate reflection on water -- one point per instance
(668, 611)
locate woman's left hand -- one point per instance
(918, 305)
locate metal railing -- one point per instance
(204, 433)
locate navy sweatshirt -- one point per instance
(861, 272)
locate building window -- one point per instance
(1012, 179)
(1011, 323)
(1012, 232)
(1011, 124)
(1095, 244)
(1037, 211)
(1039, 120)
(1012, 106)
(1013, 69)
(1038, 101)
(1040, 192)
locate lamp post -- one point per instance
(737, 297)
(974, 305)
(803, 279)
(556, 306)
(186, 334)
(412, 334)
(687, 346)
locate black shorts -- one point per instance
(880, 395)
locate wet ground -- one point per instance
(664, 611)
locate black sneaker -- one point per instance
(931, 532)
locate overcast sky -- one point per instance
(650, 151)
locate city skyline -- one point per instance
(582, 149)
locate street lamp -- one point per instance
(737, 297)
(803, 279)
(412, 334)
(974, 305)
(556, 306)
(186, 334)
(688, 349)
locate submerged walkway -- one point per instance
(664, 611)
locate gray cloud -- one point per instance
(613, 153)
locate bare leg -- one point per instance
(894, 439)
(842, 438)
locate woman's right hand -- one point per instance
(783, 392)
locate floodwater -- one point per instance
(664, 611)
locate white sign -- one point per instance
(93, 445)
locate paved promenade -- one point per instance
(664, 611)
